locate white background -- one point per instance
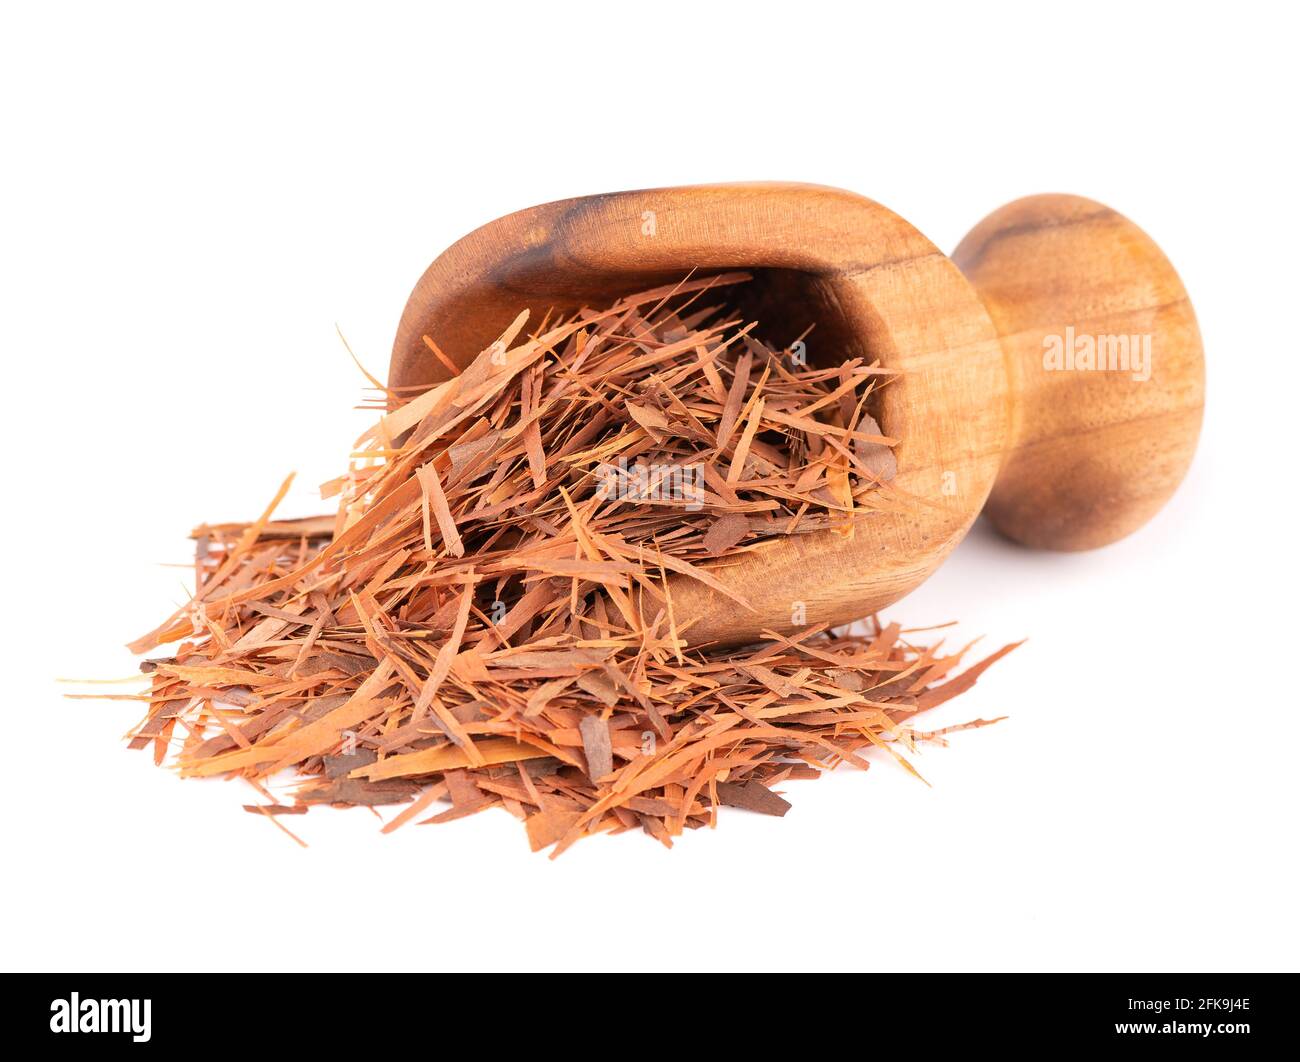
(192, 201)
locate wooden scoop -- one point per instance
(997, 408)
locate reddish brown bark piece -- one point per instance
(352, 791)
(752, 796)
(486, 618)
(877, 458)
(342, 766)
(596, 744)
(600, 687)
(549, 826)
(725, 532)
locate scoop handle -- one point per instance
(1105, 369)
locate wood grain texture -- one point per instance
(1079, 458)
(871, 284)
(1092, 454)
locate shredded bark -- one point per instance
(487, 618)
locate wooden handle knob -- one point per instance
(1105, 367)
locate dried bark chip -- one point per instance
(355, 791)
(848, 679)
(488, 609)
(276, 809)
(647, 416)
(600, 687)
(890, 690)
(462, 788)
(724, 533)
(752, 796)
(547, 827)
(876, 457)
(343, 765)
(597, 746)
